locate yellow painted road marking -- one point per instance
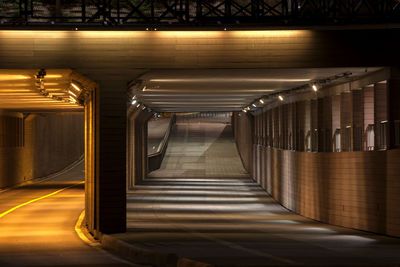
(36, 199)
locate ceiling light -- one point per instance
(254, 105)
(261, 101)
(72, 93)
(314, 87)
(244, 110)
(280, 98)
(134, 101)
(76, 87)
(230, 79)
(5, 77)
(138, 105)
(53, 76)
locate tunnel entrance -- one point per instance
(48, 120)
(200, 145)
(250, 91)
(207, 202)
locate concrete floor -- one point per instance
(200, 149)
(202, 205)
(42, 233)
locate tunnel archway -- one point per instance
(280, 97)
(112, 58)
(48, 91)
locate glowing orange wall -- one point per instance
(50, 143)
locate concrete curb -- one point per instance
(149, 257)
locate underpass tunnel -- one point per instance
(211, 150)
(327, 154)
(47, 127)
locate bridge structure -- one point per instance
(307, 82)
(195, 13)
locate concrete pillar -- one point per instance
(284, 116)
(307, 125)
(369, 135)
(264, 128)
(381, 115)
(275, 125)
(140, 149)
(357, 119)
(346, 121)
(263, 149)
(324, 124)
(109, 192)
(292, 131)
(300, 126)
(132, 152)
(314, 125)
(281, 130)
(336, 120)
(270, 133)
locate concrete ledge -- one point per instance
(144, 256)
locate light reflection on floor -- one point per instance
(245, 228)
(42, 233)
(231, 221)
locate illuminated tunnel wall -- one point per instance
(355, 189)
(38, 145)
(113, 58)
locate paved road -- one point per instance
(202, 206)
(42, 233)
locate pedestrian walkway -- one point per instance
(202, 205)
(200, 149)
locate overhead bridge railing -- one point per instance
(196, 12)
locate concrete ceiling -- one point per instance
(225, 89)
(20, 91)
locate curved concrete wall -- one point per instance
(50, 142)
(352, 189)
